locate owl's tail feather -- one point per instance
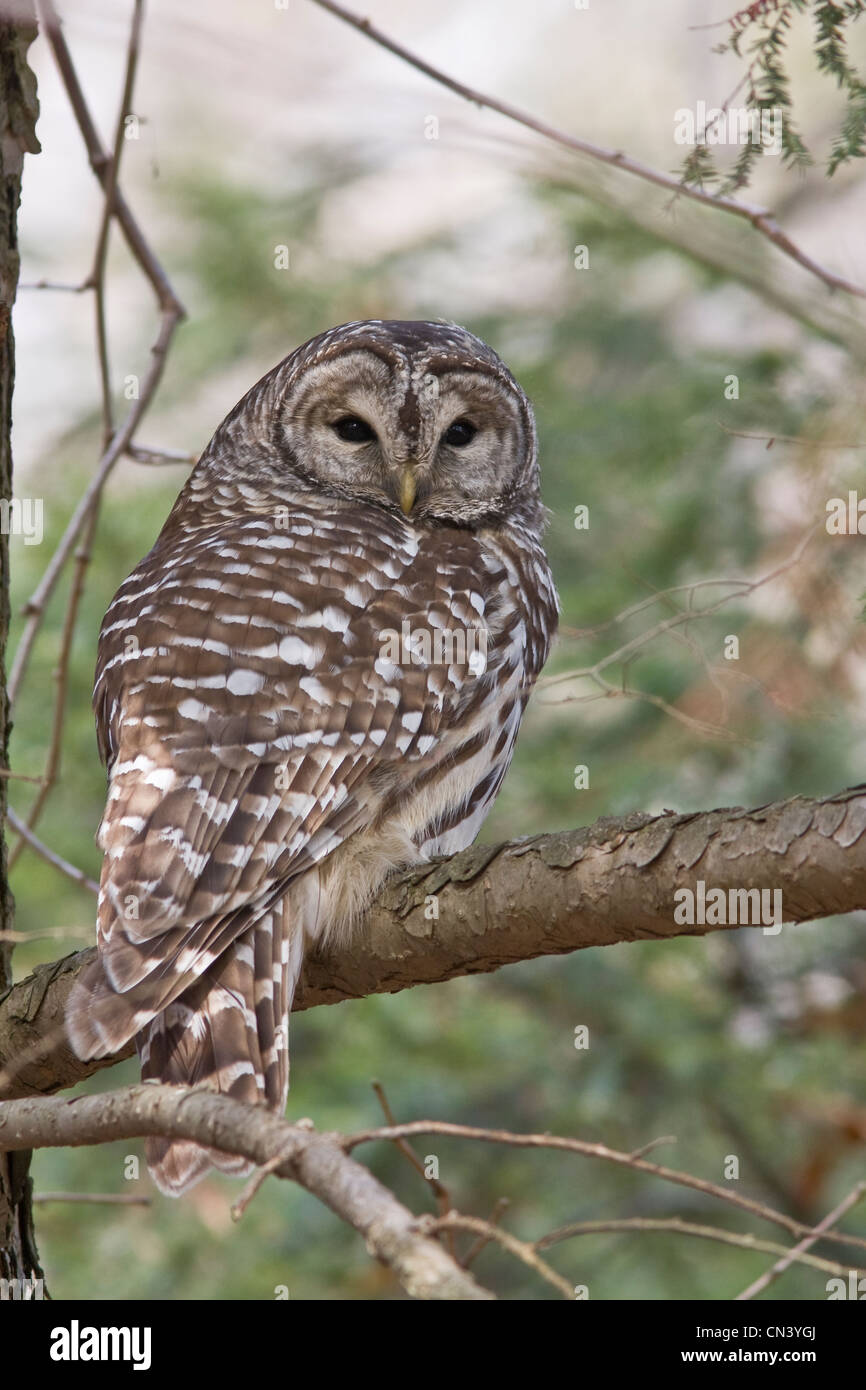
(109, 1005)
(228, 1031)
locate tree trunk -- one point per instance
(20, 1274)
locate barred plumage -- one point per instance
(315, 676)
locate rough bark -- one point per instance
(495, 905)
(18, 112)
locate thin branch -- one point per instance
(97, 274)
(715, 24)
(606, 691)
(258, 1179)
(581, 1146)
(499, 1209)
(55, 285)
(822, 1231)
(725, 106)
(743, 1240)
(49, 934)
(653, 1144)
(521, 1249)
(158, 457)
(103, 1199)
(61, 678)
(658, 596)
(771, 439)
(35, 607)
(441, 1192)
(762, 219)
(100, 162)
(77, 875)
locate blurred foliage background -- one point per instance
(737, 1044)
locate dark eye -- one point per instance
(459, 434)
(353, 430)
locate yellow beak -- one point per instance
(408, 487)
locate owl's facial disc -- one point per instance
(477, 440)
(353, 430)
(437, 442)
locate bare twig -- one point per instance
(61, 677)
(441, 1192)
(626, 692)
(658, 596)
(54, 285)
(159, 457)
(49, 934)
(822, 1231)
(521, 1249)
(654, 1144)
(77, 875)
(102, 1199)
(771, 439)
(97, 274)
(743, 1240)
(35, 607)
(499, 1209)
(588, 1150)
(255, 1183)
(6, 772)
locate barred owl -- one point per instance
(315, 676)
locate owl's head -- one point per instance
(420, 419)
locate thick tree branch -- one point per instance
(316, 1161)
(19, 109)
(494, 905)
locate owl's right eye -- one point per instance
(353, 430)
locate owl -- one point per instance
(315, 677)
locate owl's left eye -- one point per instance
(354, 430)
(461, 433)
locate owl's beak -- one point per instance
(408, 487)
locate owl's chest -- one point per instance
(448, 799)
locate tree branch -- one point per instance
(316, 1161)
(495, 905)
(19, 109)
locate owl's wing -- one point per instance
(259, 699)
